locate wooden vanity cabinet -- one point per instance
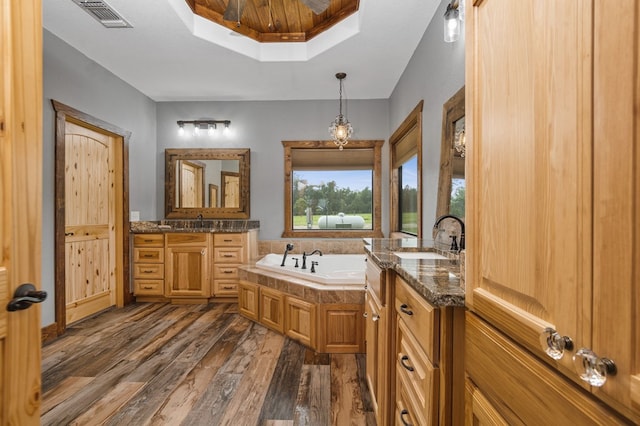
(377, 338)
(229, 252)
(148, 264)
(553, 195)
(187, 266)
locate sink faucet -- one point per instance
(305, 255)
(286, 250)
(199, 217)
(454, 244)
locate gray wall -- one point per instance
(71, 78)
(261, 126)
(434, 73)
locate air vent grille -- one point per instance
(103, 13)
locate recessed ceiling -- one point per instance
(275, 21)
(172, 54)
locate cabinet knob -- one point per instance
(203, 251)
(553, 344)
(593, 369)
(365, 315)
(375, 317)
(403, 361)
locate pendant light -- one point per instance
(340, 129)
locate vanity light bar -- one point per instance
(209, 125)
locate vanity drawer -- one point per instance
(224, 239)
(420, 317)
(148, 287)
(227, 254)
(148, 255)
(416, 377)
(148, 270)
(148, 240)
(225, 288)
(225, 271)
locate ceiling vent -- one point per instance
(103, 13)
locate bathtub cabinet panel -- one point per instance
(300, 321)
(272, 309)
(343, 330)
(248, 300)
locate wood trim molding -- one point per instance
(376, 232)
(66, 113)
(452, 111)
(411, 122)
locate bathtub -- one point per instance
(332, 269)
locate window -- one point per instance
(406, 175)
(332, 193)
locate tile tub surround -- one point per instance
(302, 289)
(194, 225)
(437, 280)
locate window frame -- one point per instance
(413, 122)
(376, 232)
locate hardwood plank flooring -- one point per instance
(161, 364)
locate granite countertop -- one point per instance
(437, 280)
(193, 225)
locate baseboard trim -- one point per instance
(49, 333)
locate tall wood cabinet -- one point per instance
(553, 196)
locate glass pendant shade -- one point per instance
(340, 129)
(451, 24)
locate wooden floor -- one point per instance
(161, 364)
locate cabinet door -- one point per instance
(248, 300)
(374, 356)
(272, 309)
(529, 161)
(300, 321)
(616, 209)
(186, 272)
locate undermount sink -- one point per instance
(418, 255)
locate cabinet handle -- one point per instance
(366, 287)
(147, 255)
(553, 344)
(375, 317)
(593, 369)
(148, 271)
(228, 241)
(406, 366)
(147, 287)
(365, 314)
(404, 309)
(227, 287)
(203, 251)
(402, 414)
(227, 255)
(227, 271)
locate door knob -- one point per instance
(24, 296)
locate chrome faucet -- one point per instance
(304, 257)
(286, 250)
(454, 243)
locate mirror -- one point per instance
(213, 183)
(451, 185)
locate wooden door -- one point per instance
(231, 189)
(191, 188)
(529, 70)
(89, 221)
(616, 208)
(21, 207)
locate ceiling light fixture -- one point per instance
(209, 125)
(340, 129)
(452, 22)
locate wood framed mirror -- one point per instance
(193, 177)
(451, 185)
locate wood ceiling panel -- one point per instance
(290, 20)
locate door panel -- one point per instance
(20, 207)
(529, 163)
(89, 222)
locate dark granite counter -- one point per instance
(194, 225)
(437, 280)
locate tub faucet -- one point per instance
(304, 257)
(286, 250)
(454, 243)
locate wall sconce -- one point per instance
(452, 22)
(210, 126)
